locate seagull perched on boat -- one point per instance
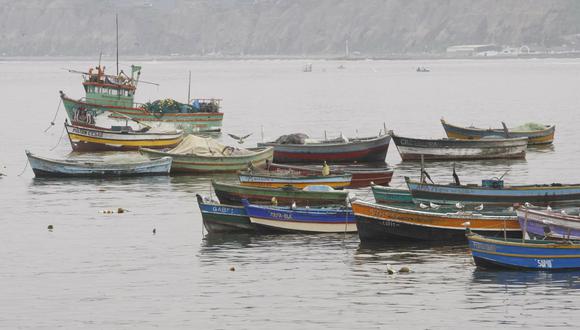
(240, 139)
(478, 208)
(459, 205)
(423, 206)
(564, 212)
(293, 207)
(548, 208)
(526, 204)
(433, 205)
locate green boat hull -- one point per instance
(234, 194)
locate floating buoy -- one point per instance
(154, 231)
(404, 269)
(50, 227)
(232, 269)
(390, 270)
(120, 210)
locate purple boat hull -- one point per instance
(549, 224)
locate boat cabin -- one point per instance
(111, 90)
(492, 183)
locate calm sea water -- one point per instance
(108, 271)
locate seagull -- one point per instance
(423, 206)
(293, 207)
(478, 208)
(240, 139)
(433, 205)
(526, 204)
(459, 205)
(564, 212)
(548, 208)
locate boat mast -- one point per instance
(117, 28)
(189, 89)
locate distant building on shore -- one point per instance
(473, 50)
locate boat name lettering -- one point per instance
(483, 246)
(544, 263)
(281, 216)
(87, 132)
(222, 209)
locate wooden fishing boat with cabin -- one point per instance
(537, 134)
(113, 96)
(494, 192)
(279, 180)
(309, 196)
(362, 175)
(301, 220)
(223, 218)
(46, 167)
(544, 255)
(297, 148)
(119, 138)
(388, 223)
(412, 149)
(205, 155)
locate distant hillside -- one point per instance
(281, 27)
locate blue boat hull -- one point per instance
(301, 220)
(530, 255)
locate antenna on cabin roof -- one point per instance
(189, 89)
(100, 56)
(117, 26)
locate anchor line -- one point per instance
(59, 139)
(25, 167)
(54, 118)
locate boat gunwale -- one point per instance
(547, 129)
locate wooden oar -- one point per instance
(506, 130)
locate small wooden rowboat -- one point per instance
(388, 223)
(412, 149)
(498, 253)
(390, 195)
(45, 167)
(220, 218)
(311, 195)
(85, 138)
(362, 176)
(301, 220)
(279, 180)
(371, 149)
(550, 224)
(536, 134)
(493, 192)
(205, 155)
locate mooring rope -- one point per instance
(25, 167)
(59, 139)
(54, 118)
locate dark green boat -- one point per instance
(311, 195)
(221, 218)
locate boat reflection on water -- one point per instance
(509, 278)
(409, 253)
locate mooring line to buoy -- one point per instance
(25, 167)
(54, 118)
(59, 139)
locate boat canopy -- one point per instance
(195, 145)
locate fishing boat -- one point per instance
(546, 255)
(311, 195)
(298, 148)
(536, 133)
(362, 176)
(493, 192)
(412, 149)
(389, 223)
(117, 138)
(390, 195)
(205, 155)
(279, 180)
(300, 219)
(221, 218)
(46, 167)
(113, 96)
(550, 224)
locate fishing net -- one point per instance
(530, 127)
(296, 138)
(172, 106)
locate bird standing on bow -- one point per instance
(240, 139)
